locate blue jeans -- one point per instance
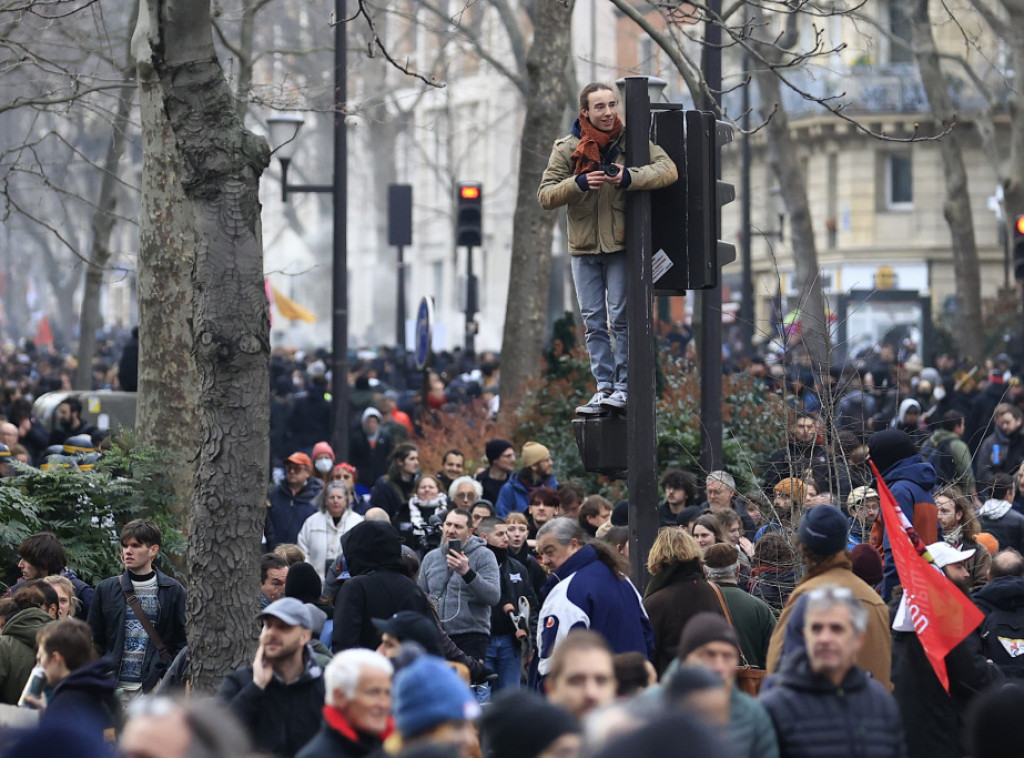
(503, 659)
(601, 290)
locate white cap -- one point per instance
(945, 554)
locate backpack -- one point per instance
(942, 461)
(1002, 640)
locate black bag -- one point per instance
(942, 460)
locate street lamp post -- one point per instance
(339, 189)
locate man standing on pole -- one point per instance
(587, 173)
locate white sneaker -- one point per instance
(615, 400)
(593, 406)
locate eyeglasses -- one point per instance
(829, 593)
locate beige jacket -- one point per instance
(597, 218)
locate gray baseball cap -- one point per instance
(289, 610)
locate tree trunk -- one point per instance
(215, 199)
(957, 204)
(807, 277)
(526, 310)
(168, 389)
(103, 221)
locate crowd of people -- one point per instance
(491, 610)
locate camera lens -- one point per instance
(611, 170)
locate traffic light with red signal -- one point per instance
(469, 214)
(1018, 248)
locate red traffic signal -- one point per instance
(469, 214)
(1020, 225)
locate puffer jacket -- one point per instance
(597, 218)
(816, 719)
(463, 602)
(18, 651)
(320, 538)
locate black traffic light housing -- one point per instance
(469, 214)
(1018, 248)
(685, 216)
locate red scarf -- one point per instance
(592, 142)
(338, 723)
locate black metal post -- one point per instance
(641, 418)
(339, 288)
(339, 258)
(470, 346)
(746, 313)
(711, 299)
(400, 304)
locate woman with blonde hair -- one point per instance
(69, 605)
(678, 590)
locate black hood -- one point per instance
(370, 546)
(96, 677)
(1004, 592)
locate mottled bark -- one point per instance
(103, 220)
(218, 170)
(547, 94)
(167, 393)
(957, 204)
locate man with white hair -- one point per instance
(720, 488)
(357, 713)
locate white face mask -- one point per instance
(323, 465)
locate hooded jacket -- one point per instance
(584, 592)
(875, 656)
(597, 218)
(463, 602)
(281, 718)
(960, 453)
(514, 496)
(1002, 631)
(911, 481)
(320, 538)
(87, 693)
(378, 588)
(288, 512)
(998, 518)
(18, 651)
(813, 718)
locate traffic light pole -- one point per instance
(641, 417)
(470, 347)
(711, 299)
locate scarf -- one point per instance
(593, 143)
(995, 509)
(421, 510)
(955, 536)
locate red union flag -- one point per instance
(942, 615)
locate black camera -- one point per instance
(610, 169)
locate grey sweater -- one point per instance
(463, 603)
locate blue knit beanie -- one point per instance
(824, 529)
(427, 693)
